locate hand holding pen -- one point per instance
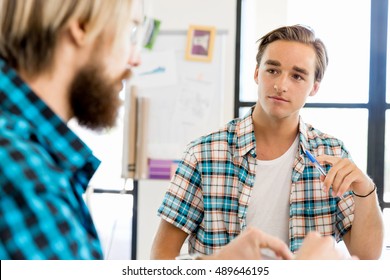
(343, 176)
(316, 163)
(318, 166)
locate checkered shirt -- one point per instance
(208, 196)
(44, 170)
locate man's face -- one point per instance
(94, 92)
(285, 78)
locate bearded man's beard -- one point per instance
(94, 98)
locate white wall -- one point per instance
(179, 14)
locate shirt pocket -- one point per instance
(321, 219)
(304, 220)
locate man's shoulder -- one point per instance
(317, 135)
(16, 126)
(324, 142)
(19, 151)
(15, 132)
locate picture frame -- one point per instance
(200, 43)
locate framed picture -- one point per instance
(200, 43)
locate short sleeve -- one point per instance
(183, 202)
(344, 216)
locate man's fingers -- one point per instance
(275, 244)
(338, 176)
(327, 159)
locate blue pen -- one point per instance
(316, 163)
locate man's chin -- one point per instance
(94, 98)
(97, 126)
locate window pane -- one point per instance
(112, 215)
(386, 196)
(243, 111)
(386, 220)
(335, 121)
(346, 35)
(249, 37)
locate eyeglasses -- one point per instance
(141, 33)
(135, 35)
(138, 34)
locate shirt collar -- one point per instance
(304, 135)
(47, 128)
(246, 141)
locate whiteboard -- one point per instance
(186, 97)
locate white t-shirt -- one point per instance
(269, 204)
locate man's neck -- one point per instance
(52, 89)
(53, 85)
(274, 136)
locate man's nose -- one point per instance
(281, 85)
(135, 58)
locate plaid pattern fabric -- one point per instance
(208, 196)
(44, 170)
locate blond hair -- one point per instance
(29, 29)
(297, 33)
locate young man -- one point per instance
(255, 171)
(58, 60)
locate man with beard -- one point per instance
(58, 60)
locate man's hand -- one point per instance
(344, 176)
(317, 247)
(248, 244)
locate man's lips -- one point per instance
(278, 98)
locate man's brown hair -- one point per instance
(297, 33)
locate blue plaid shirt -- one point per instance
(210, 192)
(44, 170)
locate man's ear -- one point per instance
(315, 89)
(256, 74)
(77, 33)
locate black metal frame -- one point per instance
(377, 96)
(134, 227)
(237, 102)
(376, 106)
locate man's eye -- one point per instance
(271, 71)
(297, 77)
